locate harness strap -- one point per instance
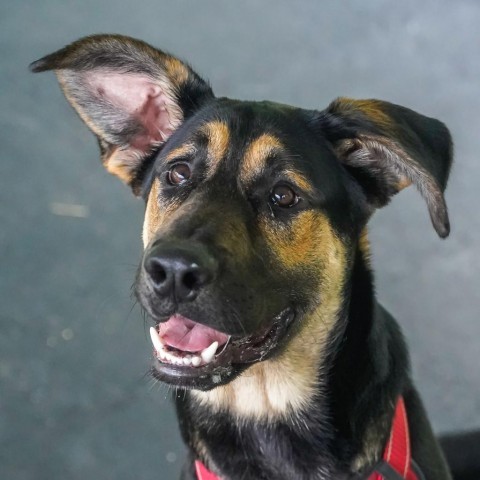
(397, 460)
(203, 473)
(397, 455)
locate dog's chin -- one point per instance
(204, 370)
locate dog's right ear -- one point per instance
(131, 95)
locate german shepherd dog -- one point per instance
(256, 271)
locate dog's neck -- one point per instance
(368, 370)
(328, 416)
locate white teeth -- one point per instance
(156, 340)
(168, 355)
(208, 354)
(196, 361)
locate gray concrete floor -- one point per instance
(74, 400)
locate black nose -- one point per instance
(179, 272)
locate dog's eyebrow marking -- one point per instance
(299, 179)
(184, 150)
(256, 155)
(218, 137)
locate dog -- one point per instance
(256, 270)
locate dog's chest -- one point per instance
(256, 451)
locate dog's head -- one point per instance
(254, 210)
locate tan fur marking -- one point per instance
(122, 163)
(155, 214)
(176, 70)
(218, 136)
(372, 109)
(256, 155)
(279, 387)
(299, 180)
(307, 238)
(403, 183)
(184, 150)
(364, 246)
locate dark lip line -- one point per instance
(227, 358)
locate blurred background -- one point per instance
(75, 400)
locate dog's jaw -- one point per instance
(287, 384)
(229, 356)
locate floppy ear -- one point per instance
(387, 147)
(131, 95)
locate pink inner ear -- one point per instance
(140, 99)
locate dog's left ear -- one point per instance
(131, 95)
(387, 147)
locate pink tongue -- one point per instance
(185, 334)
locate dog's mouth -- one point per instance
(191, 355)
(183, 342)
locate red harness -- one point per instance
(397, 454)
(396, 457)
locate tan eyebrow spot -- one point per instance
(299, 180)
(182, 151)
(257, 154)
(218, 136)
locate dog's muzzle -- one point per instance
(195, 344)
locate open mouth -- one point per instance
(183, 342)
(191, 355)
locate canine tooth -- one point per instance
(156, 340)
(209, 352)
(196, 361)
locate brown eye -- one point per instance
(179, 174)
(283, 196)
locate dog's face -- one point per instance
(253, 209)
(244, 224)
